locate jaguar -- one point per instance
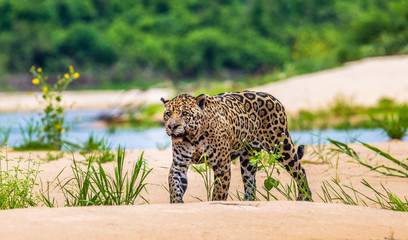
(221, 127)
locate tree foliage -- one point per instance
(122, 40)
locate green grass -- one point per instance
(395, 125)
(383, 198)
(4, 135)
(347, 194)
(344, 114)
(205, 172)
(17, 182)
(399, 170)
(97, 150)
(53, 156)
(94, 186)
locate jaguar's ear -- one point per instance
(201, 100)
(163, 100)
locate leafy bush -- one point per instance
(173, 39)
(17, 182)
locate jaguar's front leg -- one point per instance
(182, 157)
(222, 178)
(177, 182)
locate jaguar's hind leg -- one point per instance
(291, 162)
(248, 173)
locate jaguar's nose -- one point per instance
(172, 126)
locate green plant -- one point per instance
(29, 130)
(338, 192)
(395, 125)
(343, 114)
(53, 156)
(322, 153)
(4, 136)
(385, 170)
(52, 122)
(269, 163)
(383, 198)
(17, 183)
(98, 150)
(94, 186)
(205, 172)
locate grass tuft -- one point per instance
(17, 183)
(382, 198)
(205, 172)
(383, 169)
(395, 125)
(94, 186)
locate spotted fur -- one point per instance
(219, 127)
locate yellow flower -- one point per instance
(79, 119)
(36, 81)
(39, 70)
(32, 68)
(71, 69)
(76, 75)
(66, 75)
(45, 89)
(62, 130)
(30, 93)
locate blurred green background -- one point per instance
(123, 44)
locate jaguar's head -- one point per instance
(183, 115)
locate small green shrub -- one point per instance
(97, 150)
(17, 183)
(94, 186)
(269, 164)
(395, 125)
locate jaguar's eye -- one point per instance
(168, 114)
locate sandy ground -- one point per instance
(219, 220)
(365, 81)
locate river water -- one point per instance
(156, 137)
